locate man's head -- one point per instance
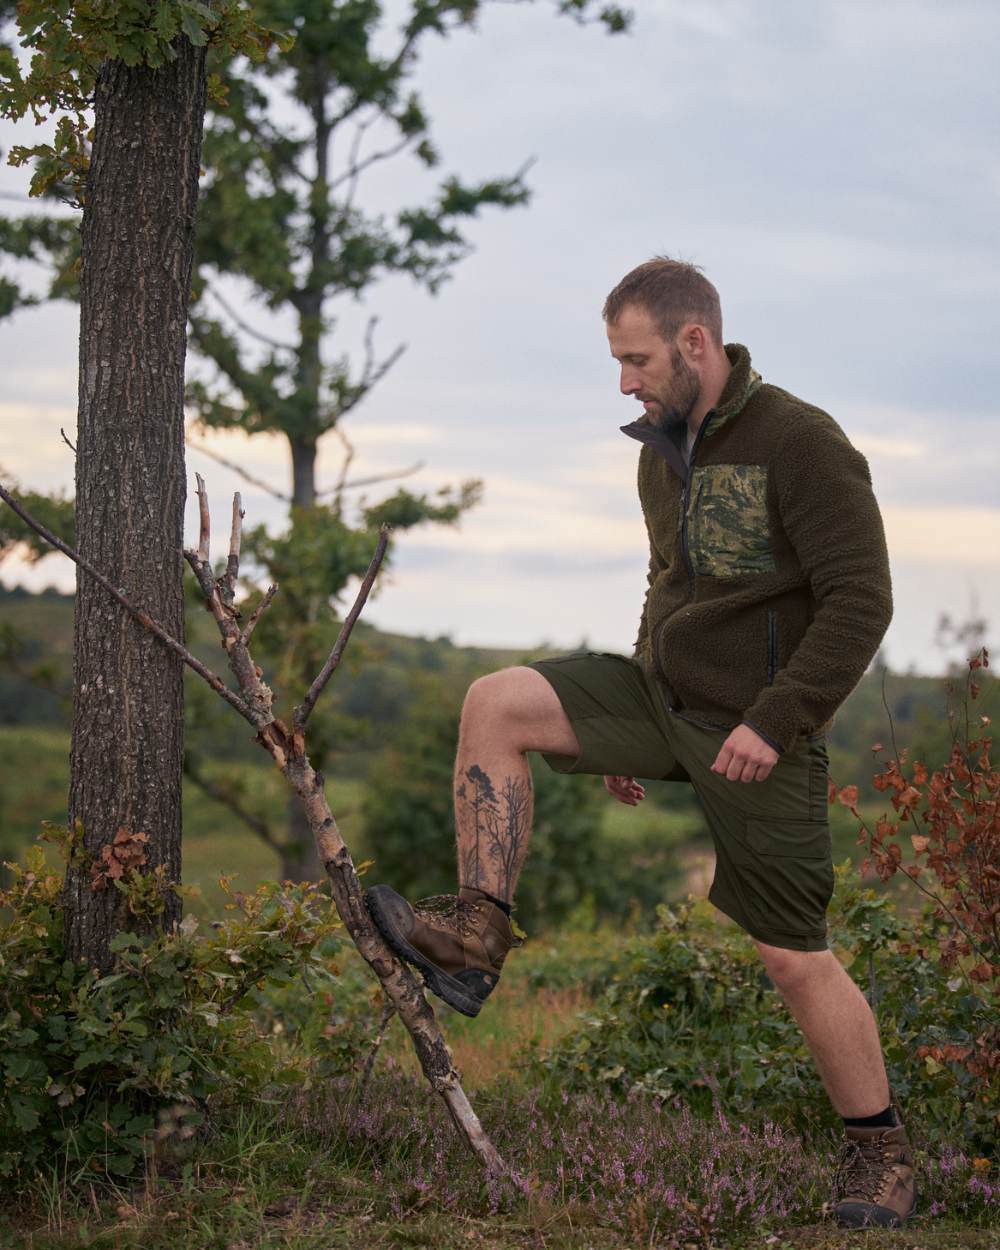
(664, 327)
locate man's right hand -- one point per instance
(624, 789)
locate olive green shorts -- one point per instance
(773, 874)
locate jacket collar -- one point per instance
(742, 382)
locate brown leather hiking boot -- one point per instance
(874, 1185)
(458, 943)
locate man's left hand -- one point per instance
(745, 756)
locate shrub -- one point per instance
(94, 1068)
(691, 1017)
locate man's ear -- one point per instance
(694, 341)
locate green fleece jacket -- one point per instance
(768, 589)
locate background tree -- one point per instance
(144, 75)
(280, 210)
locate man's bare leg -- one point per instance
(505, 714)
(837, 1024)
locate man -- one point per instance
(768, 594)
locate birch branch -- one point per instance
(287, 749)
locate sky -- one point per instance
(833, 167)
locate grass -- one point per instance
(328, 1167)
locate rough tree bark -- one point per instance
(137, 238)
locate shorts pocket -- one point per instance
(788, 875)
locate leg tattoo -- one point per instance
(493, 830)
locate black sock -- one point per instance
(884, 1119)
(504, 907)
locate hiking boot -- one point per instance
(874, 1186)
(458, 943)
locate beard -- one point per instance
(677, 400)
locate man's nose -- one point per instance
(629, 383)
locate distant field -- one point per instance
(35, 776)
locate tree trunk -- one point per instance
(137, 238)
(303, 472)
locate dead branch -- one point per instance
(288, 750)
(236, 468)
(144, 619)
(304, 710)
(388, 1011)
(258, 612)
(257, 334)
(65, 439)
(227, 797)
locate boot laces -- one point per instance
(455, 912)
(861, 1170)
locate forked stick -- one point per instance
(287, 749)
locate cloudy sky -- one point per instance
(834, 167)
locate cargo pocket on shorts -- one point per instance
(788, 876)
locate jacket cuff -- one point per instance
(772, 734)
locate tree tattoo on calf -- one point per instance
(497, 823)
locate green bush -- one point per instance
(93, 1068)
(690, 1016)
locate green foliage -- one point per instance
(95, 1069)
(690, 1016)
(69, 42)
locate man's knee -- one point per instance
(516, 702)
(791, 969)
(506, 695)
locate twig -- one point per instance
(391, 476)
(143, 617)
(205, 520)
(258, 612)
(257, 334)
(388, 1011)
(66, 440)
(228, 799)
(235, 539)
(236, 468)
(304, 710)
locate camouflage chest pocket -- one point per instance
(728, 531)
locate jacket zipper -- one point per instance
(686, 554)
(772, 645)
(685, 551)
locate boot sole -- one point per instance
(869, 1215)
(388, 909)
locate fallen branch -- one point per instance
(288, 750)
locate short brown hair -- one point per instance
(673, 292)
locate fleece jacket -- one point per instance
(768, 588)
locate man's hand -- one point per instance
(625, 789)
(744, 756)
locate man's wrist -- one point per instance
(763, 736)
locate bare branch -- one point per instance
(257, 334)
(258, 612)
(287, 749)
(144, 619)
(388, 1011)
(235, 537)
(356, 168)
(378, 477)
(338, 490)
(247, 477)
(228, 798)
(66, 440)
(304, 710)
(205, 532)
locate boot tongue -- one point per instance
(469, 894)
